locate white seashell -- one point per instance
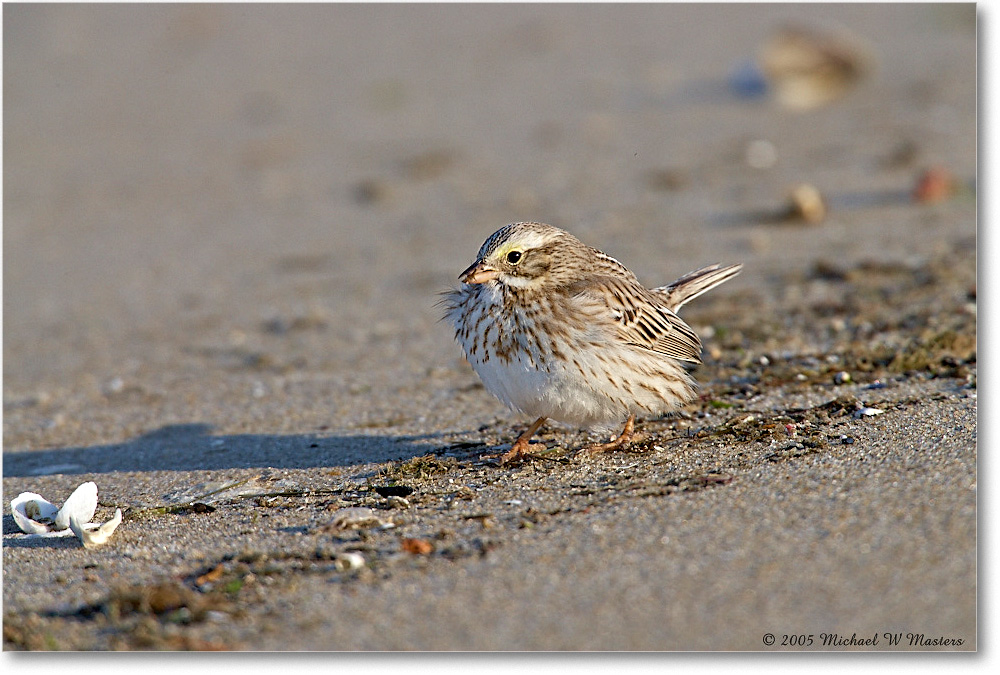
(95, 537)
(81, 505)
(40, 518)
(349, 561)
(868, 412)
(33, 513)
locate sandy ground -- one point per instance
(224, 231)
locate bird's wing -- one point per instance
(639, 318)
(693, 284)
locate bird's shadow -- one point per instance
(192, 447)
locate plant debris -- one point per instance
(393, 490)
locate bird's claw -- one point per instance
(627, 437)
(518, 454)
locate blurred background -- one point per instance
(206, 205)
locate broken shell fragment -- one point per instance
(345, 562)
(33, 513)
(81, 505)
(865, 411)
(36, 515)
(92, 538)
(356, 518)
(40, 518)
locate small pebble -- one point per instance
(398, 502)
(761, 154)
(215, 616)
(934, 185)
(417, 546)
(114, 386)
(806, 203)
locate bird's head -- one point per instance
(525, 256)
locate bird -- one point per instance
(559, 330)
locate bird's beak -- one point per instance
(478, 273)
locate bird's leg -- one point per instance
(519, 450)
(624, 438)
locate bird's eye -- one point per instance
(514, 257)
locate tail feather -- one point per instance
(693, 284)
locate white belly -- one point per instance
(556, 394)
(594, 381)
